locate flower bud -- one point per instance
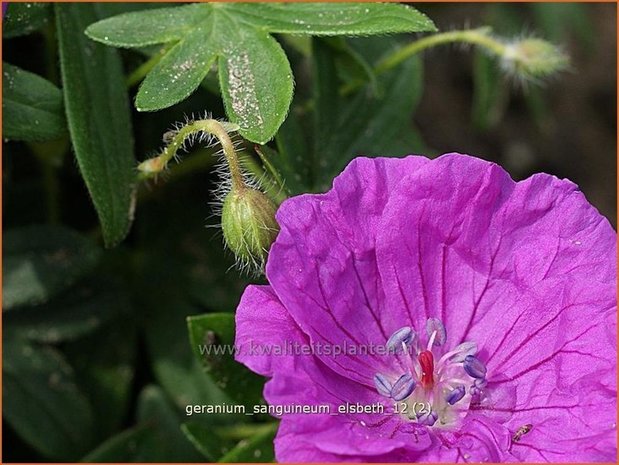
(152, 165)
(249, 226)
(533, 58)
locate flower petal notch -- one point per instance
(495, 300)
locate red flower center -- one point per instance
(426, 360)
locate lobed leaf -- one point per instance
(254, 73)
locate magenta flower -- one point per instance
(494, 302)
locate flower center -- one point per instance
(432, 393)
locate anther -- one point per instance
(436, 325)
(474, 367)
(455, 394)
(402, 337)
(427, 418)
(463, 350)
(478, 386)
(383, 386)
(403, 387)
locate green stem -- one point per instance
(141, 71)
(154, 166)
(480, 37)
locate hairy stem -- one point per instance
(153, 166)
(480, 37)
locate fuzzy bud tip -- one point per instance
(533, 58)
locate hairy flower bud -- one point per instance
(533, 58)
(249, 226)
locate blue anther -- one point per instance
(383, 386)
(474, 367)
(404, 336)
(455, 395)
(427, 418)
(403, 387)
(434, 324)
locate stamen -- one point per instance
(474, 367)
(455, 395)
(426, 360)
(403, 387)
(400, 339)
(435, 325)
(478, 386)
(427, 418)
(449, 386)
(458, 354)
(383, 386)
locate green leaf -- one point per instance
(254, 73)
(41, 261)
(210, 445)
(23, 18)
(156, 438)
(189, 62)
(158, 26)
(489, 96)
(42, 402)
(31, 106)
(256, 82)
(365, 123)
(212, 338)
(169, 443)
(123, 447)
(104, 363)
(294, 157)
(97, 109)
(333, 19)
(559, 20)
(326, 95)
(256, 449)
(173, 364)
(352, 65)
(77, 312)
